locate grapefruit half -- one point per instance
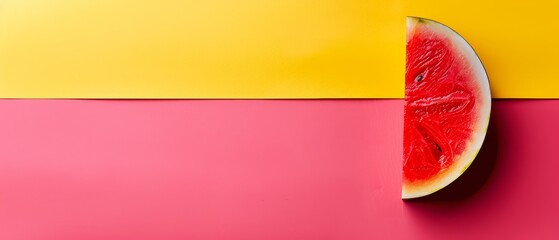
(447, 107)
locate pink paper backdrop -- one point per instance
(315, 169)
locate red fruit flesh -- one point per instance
(440, 105)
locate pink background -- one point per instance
(213, 169)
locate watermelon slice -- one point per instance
(447, 107)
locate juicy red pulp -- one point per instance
(440, 105)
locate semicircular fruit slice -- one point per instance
(447, 107)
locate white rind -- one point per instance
(463, 161)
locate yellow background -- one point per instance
(259, 48)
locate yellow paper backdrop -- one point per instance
(259, 48)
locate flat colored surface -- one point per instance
(259, 48)
(87, 169)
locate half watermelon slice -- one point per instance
(447, 107)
